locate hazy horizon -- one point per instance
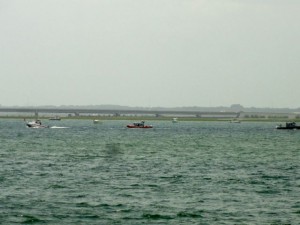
(111, 106)
(150, 53)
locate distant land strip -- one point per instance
(78, 111)
(162, 112)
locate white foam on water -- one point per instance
(56, 127)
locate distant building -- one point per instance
(237, 108)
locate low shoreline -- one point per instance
(145, 118)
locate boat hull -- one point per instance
(36, 126)
(133, 126)
(40, 126)
(288, 128)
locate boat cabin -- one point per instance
(290, 124)
(140, 124)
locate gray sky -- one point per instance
(150, 52)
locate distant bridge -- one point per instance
(118, 112)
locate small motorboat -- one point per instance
(174, 120)
(139, 125)
(36, 124)
(235, 121)
(288, 126)
(97, 121)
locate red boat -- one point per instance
(139, 125)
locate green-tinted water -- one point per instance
(183, 173)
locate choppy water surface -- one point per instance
(184, 173)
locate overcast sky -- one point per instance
(150, 52)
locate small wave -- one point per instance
(268, 191)
(156, 216)
(83, 204)
(297, 212)
(190, 214)
(88, 216)
(30, 219)
(274, 177)
(95, 205)
(56, 186)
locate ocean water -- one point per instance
(183, 173)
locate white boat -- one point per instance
(96, 121)
(174, 120)
(36, 124)
(235, 121)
